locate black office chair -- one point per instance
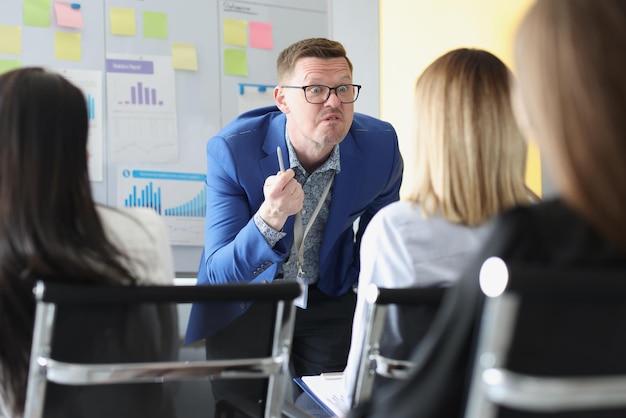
(88, 336)
(415, 309)
(552, 343)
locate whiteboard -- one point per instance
(205, 99)
(290, 21)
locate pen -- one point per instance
(281, 163)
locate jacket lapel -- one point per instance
(347, 183)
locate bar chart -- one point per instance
(141, 95)
(141, 109)
(179, 197)
(91, 107)
(150, 196)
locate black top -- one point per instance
(546, 235)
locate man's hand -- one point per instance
(283, 197)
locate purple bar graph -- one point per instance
(140, 91)
(140, 95)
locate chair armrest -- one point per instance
(547, 394)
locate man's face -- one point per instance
(321, 125)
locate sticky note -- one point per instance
(37, 13)
(184, 57)
(154, 25)
(8, 65)
(261, 35)
(11, 40)
(67, 46)
(235, 62)
(235, 32)
(67, 15)
(122, 21)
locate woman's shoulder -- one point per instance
(129, 220)
(134, 213)
(550, 232)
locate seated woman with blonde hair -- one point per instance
(469, 165)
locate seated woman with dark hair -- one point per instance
(51, 229)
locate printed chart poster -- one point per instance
(179, 197)
(141, 99)
(90, 83)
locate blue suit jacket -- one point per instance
(239, 159)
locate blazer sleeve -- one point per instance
(234, 249)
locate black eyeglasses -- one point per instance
(318, 94)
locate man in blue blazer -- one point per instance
(264, 223)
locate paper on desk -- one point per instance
(330, 390)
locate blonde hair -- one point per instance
(470, 157)
(570, 59)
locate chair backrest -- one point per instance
(551, 344)
(415, 309)
(61, 311)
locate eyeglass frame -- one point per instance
(330, 89)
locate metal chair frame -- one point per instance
(372, 363)
(275, 367)
(494, 386)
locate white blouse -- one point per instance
(402, 249)
(140, 234)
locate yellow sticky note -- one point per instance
(235, 32)
(154, 25)
(11, 40)
(37, 13)
(184, 57)
(8, 65)
(67, 46)
(235, 62)
(122, 21)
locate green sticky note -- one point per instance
(154, 25)
(11, 40)
(8, 65)
(37, 13)
(67, 46)
(235, 62)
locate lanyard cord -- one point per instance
(298, 236)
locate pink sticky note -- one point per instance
(68, 16)
(261, 35)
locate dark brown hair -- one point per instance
(49, 227)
